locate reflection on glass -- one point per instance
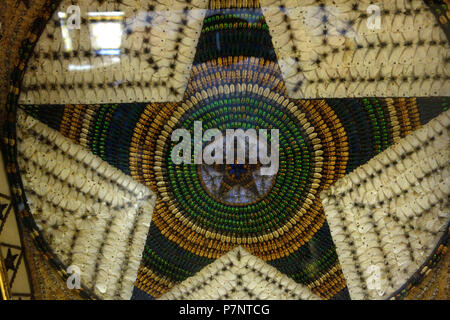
(106, 32)
(67, 40)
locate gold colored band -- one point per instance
(4, 287)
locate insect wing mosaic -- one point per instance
(236, 149)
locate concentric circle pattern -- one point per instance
(300, 162)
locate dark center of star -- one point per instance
(235, 184)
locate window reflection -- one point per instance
(106, 30)
(67, 39)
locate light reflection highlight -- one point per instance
(106, 29)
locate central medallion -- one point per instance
(235, 184)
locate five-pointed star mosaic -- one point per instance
(236, 82)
